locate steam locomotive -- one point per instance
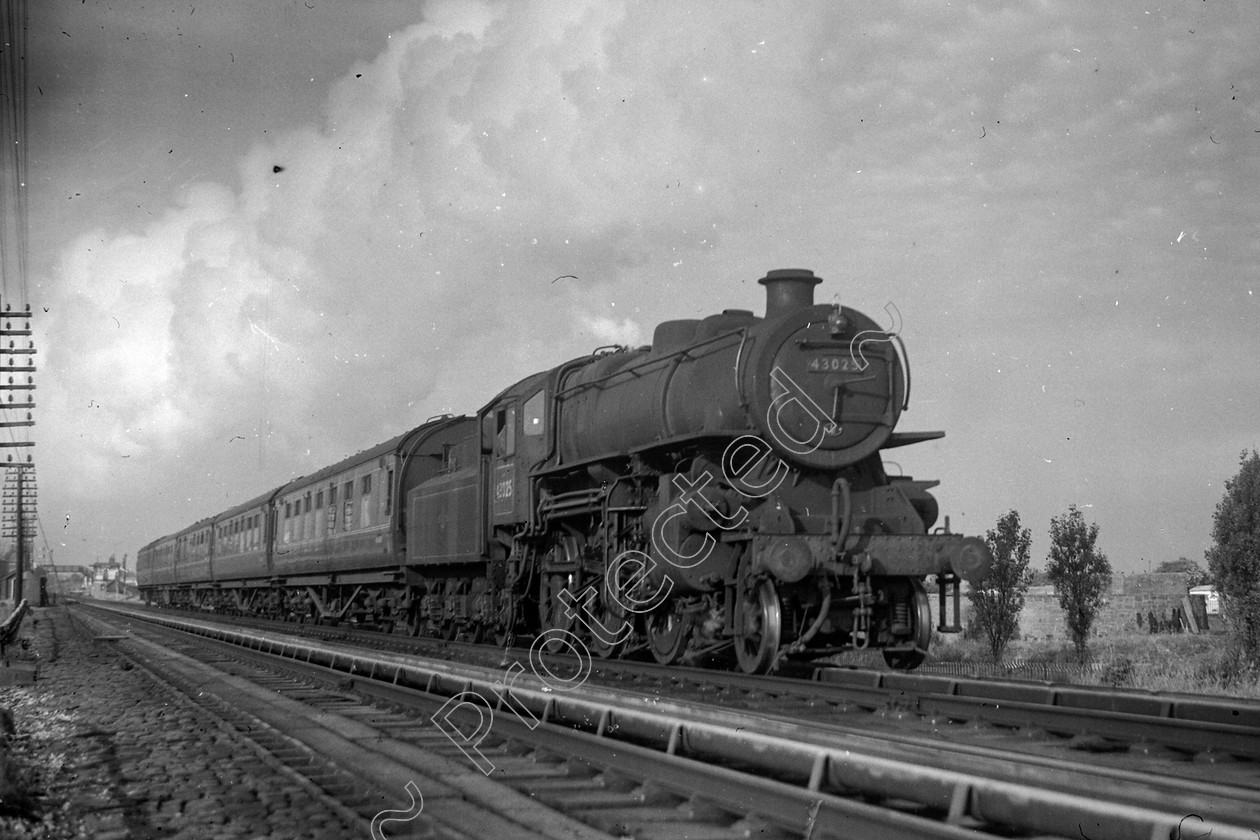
(718, 491)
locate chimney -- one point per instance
(788, 289)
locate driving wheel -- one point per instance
(758, 627)
(668, 630)
(552, 614)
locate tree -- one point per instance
(1234, 560)
(1080, 574)
(1193, 572)
(996, 601)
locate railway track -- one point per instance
(1091, 720)
(630, 763)
(1186, 706)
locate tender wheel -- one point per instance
(758, 627)
(920, 615)
(668, 630)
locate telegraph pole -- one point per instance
(17, 367)
(20, 536)
(18, 509)
(16, 357)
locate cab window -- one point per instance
(505, 431)
(533, 414)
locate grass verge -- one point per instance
(1197, 664)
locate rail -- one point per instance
(817, 779)
(9, 629)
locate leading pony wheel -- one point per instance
(920, 615)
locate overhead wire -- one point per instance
(14, 245)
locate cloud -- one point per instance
(1005, 177)
(623, 331)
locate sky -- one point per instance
(264, 236)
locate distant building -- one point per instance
(111, 581)
(1212, 608)
(105, 572)
(66, 578)
(1210, 597)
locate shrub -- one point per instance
(1234, 560)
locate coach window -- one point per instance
(389, 492)
(534, 410)
(347, 515)
(505, 430)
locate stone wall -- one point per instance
(1042, 618)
